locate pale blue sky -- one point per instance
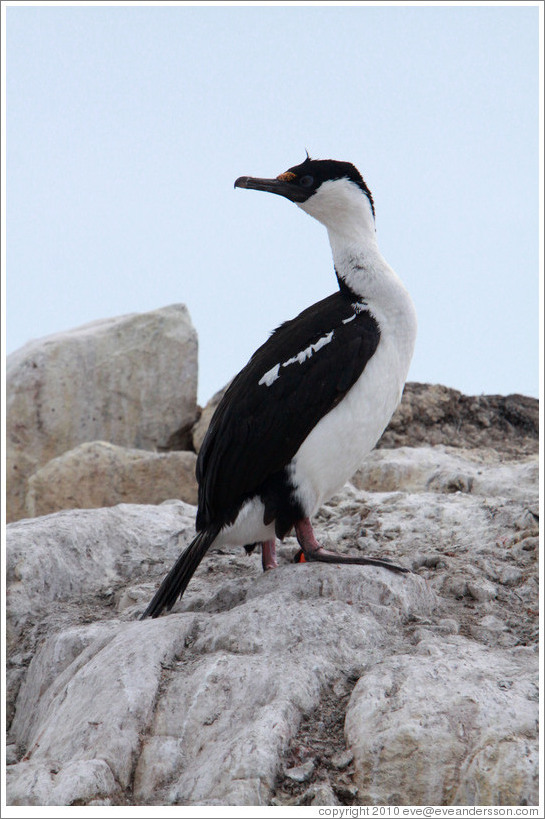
(127, 126)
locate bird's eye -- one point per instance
(306, 181)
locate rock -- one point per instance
(319, 794)
(129, 380)
(301, 773)
(100, 474)
(342, 759)
(252, 672)
(347, 793)
(431, 414)
(491, 629)
(448, 470)
(448, 626)
(436, 727)
(79, 555)
(33, 784)
(240, 708)
(481, 589)
(244, 669)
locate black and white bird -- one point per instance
(299, 419)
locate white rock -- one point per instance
(342, 759)
(92, 713)
(446, 469)
(129, 380)
(233, 686)
(83, 781)
(426, 730)
(74, 555)
(482, 589)
(301, 773)
(503, 771)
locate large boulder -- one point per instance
(130, 380)
(100, 474)
(312, 682)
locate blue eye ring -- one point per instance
(306, 181)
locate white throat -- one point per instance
(344, 209)
(346, 212)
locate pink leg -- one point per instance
(313, 551)
(268, 555)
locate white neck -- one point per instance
(346, 212)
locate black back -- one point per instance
(257, 428)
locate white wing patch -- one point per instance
(270, 376)
(309, 351)
(274, 373)
(358, 307)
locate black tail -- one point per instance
(175, 583)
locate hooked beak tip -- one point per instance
(241, 182)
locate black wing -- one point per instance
(301, 372)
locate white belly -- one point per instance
(339, 443)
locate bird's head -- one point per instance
(331, 191)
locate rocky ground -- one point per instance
(312, 684)
(309, 685)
